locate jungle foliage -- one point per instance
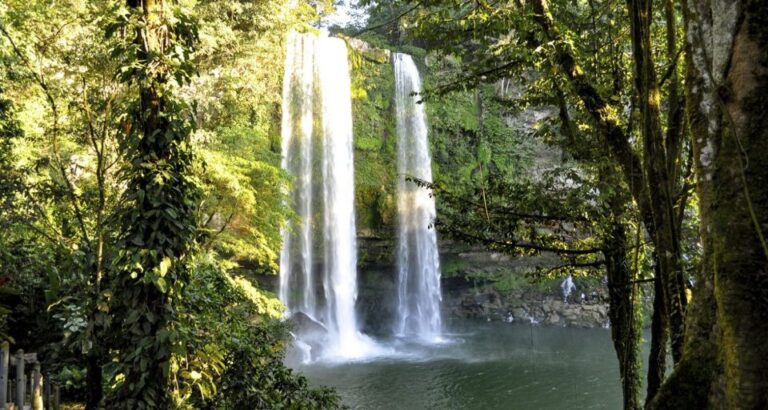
(141, 189)
(641, 99)
(139, 173)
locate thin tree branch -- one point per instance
(524, 245)
(388, 22)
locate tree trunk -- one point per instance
(93, 380)
(625, 328)
(159, 221)
(657, 357)
(624, 323)
(725, 363)
(665, 239)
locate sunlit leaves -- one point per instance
(92, 70)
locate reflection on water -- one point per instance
(484, 366)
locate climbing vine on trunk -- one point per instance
(159, 206)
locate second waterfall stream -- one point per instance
(418, 260)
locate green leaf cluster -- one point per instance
(109, 201)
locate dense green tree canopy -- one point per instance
(141, 191)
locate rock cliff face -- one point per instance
(478, 284)
(530, 307)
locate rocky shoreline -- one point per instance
(476, 284)
(482, 285)
(535, 309)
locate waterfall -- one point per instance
(340, 273)
(297, 282)
(317, 152)
(418, 261)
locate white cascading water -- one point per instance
(317, 122)
(418, 260)
(297, 282)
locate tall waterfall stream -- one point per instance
(418, 260)
(317, 152)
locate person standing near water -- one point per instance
(567, 287)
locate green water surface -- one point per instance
(484, 366)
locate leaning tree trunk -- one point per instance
(656, 210)
(625, 325)
(725, 362)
